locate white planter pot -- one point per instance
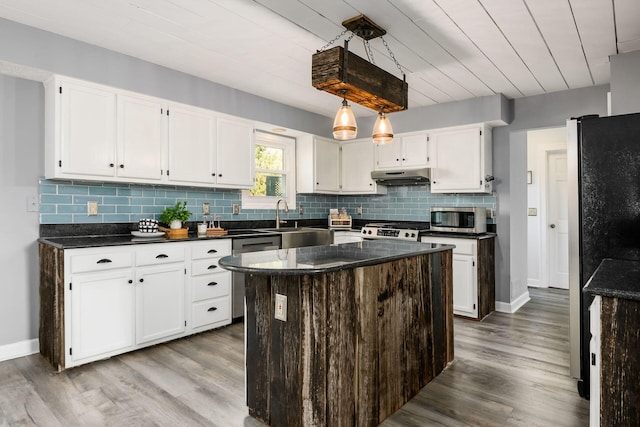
(175, 224)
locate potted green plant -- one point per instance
(174, 216)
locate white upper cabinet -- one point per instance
(357, 163)
(100, 133)
(192, 133)
(409, 150)
(235, 153)
(81, 130)
(317, 165)
(141, 137)
(462, 158)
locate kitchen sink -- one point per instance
(297, 237)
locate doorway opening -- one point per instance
(547, 237)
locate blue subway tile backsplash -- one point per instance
(65, 202)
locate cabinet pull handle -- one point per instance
(212, 251)
(104, 261)
(162, 256)
(212, 308)
(212, 283)
(211, 267)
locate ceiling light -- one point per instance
(344, 125)
(382, 130)
(344, 74)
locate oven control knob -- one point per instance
(369, 231)
(406, 234)
(413, 234)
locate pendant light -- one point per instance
(344, 125)
(382, 131)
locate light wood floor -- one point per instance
(509, 370)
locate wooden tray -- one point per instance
(216, 232)
(177, 233)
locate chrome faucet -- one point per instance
(286, 209)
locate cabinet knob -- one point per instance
(404, 159)
(213, 174)
(141, 280)
(220, 175)
(130, 281)
(121, 166)
(111, 165)
(552, 226)
(397, 160)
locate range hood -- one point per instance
(402, 176)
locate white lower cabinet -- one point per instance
(159, 302)
(118, 299)
(102, 314)
(594, 368)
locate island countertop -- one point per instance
(615, 278)
(322, 259)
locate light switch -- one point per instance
(32, 204)
(206, 208)
(92, 208)
(533, 211)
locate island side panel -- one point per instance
(313, 342)
(341, 324)
(366, 368)
(620, 362)
(446, 274)
(258, 349)
(51, 332)
(286, 402)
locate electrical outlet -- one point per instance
(206, 209)
(236, 208)
(301, 210)
(32, 204)
(92, 208)
(281, 307)
(359, 210)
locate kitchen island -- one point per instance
(364, 327)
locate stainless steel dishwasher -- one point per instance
(243, 245)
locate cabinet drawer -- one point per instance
(213, 311)
(212, 248)
(160, 254)
(463, 246)
(100, 261)
(206, 266)
(211, 286)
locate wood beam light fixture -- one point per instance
(344, 74)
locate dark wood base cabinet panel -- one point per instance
(51, 335)
(486, 277)
(357, 344)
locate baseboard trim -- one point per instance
(515, 305)
(19, 349)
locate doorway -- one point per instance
(547, 238)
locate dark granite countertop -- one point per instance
(322, 259)
(75, 242)
(615, 278)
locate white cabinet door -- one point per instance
(389, 156)
(102, 314)
(87, 138)
(141, 133)
(160, 293)
(357, 164)
(458, 161)
(235, 154)
(415, 150)
(327, 165)
(192, 134)
(465, 288)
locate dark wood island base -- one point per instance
(357, 344)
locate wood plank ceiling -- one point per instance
(450, 49)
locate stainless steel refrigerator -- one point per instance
(603, 156)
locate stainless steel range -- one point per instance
(410, 231)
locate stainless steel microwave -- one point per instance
(459, 220)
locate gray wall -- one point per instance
(625, 89)
(21, 136)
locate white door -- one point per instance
(235, 154)
(101, 313)
(159, 302)
(191, 145)
(465, 289)
(557, 220)
(140, 138)
(357, 163)
(415, 150)
(388, 156)
(457, 161)
(327, 167)
(88, 130)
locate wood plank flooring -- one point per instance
(510, 370)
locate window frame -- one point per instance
(288, 145)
